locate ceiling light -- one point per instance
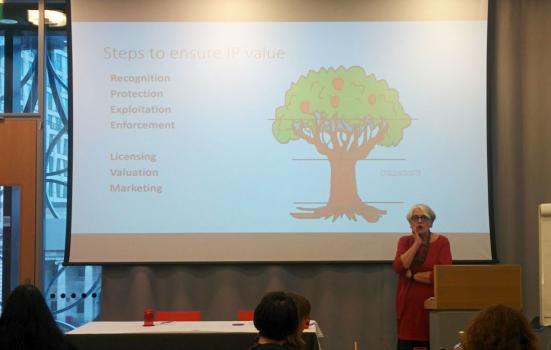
(8, 21)
(51, 18)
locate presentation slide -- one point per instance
(244, 140)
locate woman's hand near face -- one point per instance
(417, 240)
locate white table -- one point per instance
(191, 335)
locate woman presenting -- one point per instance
(415, 258)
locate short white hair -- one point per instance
(425, 209)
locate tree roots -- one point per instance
(369, 213)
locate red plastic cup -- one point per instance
(148, 318)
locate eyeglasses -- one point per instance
(423, 218)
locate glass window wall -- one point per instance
(72, 292)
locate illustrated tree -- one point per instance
(344, 114)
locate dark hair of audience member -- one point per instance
(499, 327)
(303, 314)
(275, 317)
(27, 323)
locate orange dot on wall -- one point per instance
(338, 83)
(305, 106)
(372, 99)
(335, 101)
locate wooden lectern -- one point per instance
(473, 287)
(461, 290)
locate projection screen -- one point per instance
(226, 131)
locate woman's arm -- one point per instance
(423, 277)
(408, 255)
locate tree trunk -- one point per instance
(343, 193)
(343, 196)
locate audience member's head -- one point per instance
(26, 322)
(275, 317)
(303, 309)
(499, 327)
(303, 315)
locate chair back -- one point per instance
(163, 315)
(245, 315)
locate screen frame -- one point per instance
(492, 242)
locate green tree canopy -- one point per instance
(349, 96)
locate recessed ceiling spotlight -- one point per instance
(51, 18)
(8, 21)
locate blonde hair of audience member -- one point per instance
(499, 327)
(303, 314)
